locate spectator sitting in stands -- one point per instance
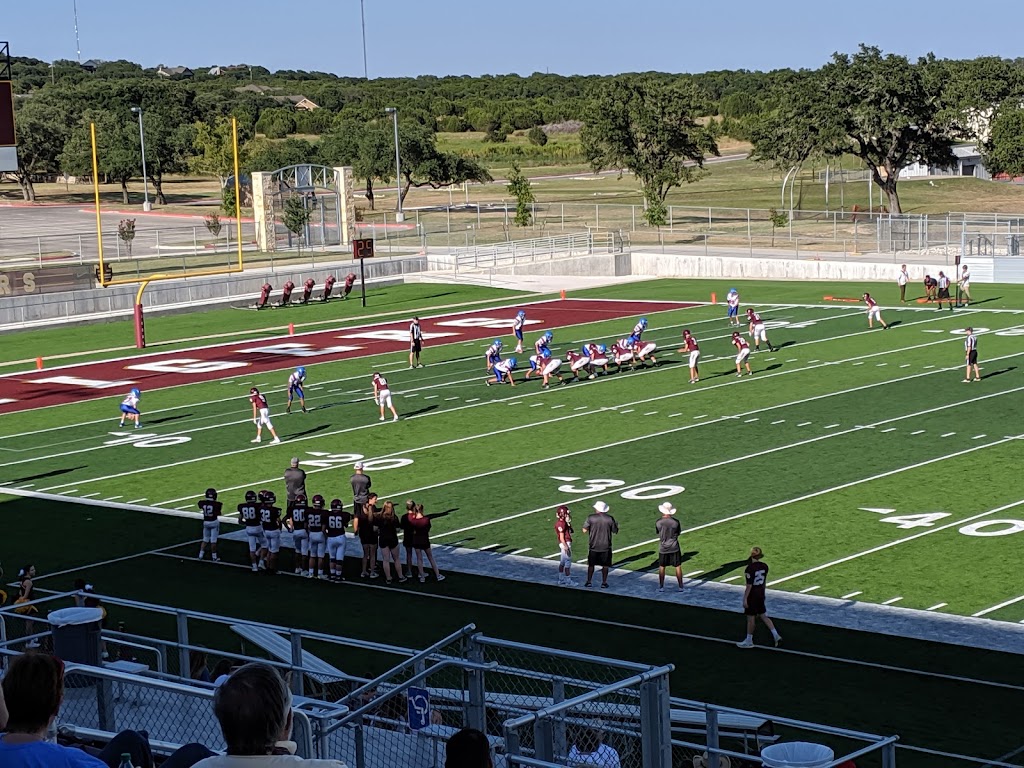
(590, 750)
(33, 689)
(198, 670)
(468, 748)
(221, 672)
(254, 708)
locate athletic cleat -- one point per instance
(305, 411)
(381, 419)
(440, 577)
(395, 419)
(254, 569)
(256, 440)
(138, 425)
(745, 644)
(276, 440)
(778, 641)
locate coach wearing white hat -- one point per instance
(669, 556)
(600, 527)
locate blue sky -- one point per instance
(413, 37)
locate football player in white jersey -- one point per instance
(295, 382)
(547, 366)
(640, 327)
(130, 408)
(382, 394)
(517, 330)
(732, 299)
(493, 354)
(501, 369)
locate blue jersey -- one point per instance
(541, 344)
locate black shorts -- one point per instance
(755, 606)
(943, 293)
(599, 559)
(972, 357)
(670, 560)
(416, 346)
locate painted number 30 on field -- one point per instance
(983, 528)
(597, 485)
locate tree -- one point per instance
(214, 148)
(424, 165)
(42, 126)
(368, 147)
(1004, 150)
(536, 136)
(276, 123)
(169, 148)
(296, 217)
(126, 233)
(888, 112)
(118, 154)
(213, 224)
(519, 187)
(648, 128)
(801, 126)
(778, 221)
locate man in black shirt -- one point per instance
(600, 527)
(360, 488)
(294, 482)
(669, 556)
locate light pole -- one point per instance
(399, 216)
(145, 178)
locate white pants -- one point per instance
(599, 361)
(301, 539)
(743, 355)
(384, 398)
(875, 312)
(256, 538)
(583, 362)
(336, 549)
(273, 539)
(694, 358)
(565, 556)
(759, 333)
(620, 359)
(210, 532)
(317, 544)
(553, 365)
(264, 418)
(648, 349)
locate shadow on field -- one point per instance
(311, 431)
(784, 344)
(773, 367)
(166, 419)
(636, 558)
(653, 565)
(723, 570)
(986, 301)
(894, 323)
(44, 475)
(1000, 372)
(419, 412)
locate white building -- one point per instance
(968, 162)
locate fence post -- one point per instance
(360, 747)
(563, 216)
(597, 215)
(748, 227)
(656, 724)
(183, 654)
(80, 254)
(543, 740)
(195, 242)
(713, 743)
(297, 674)
(671, 223)
(632, 226)
(158, 242)
(39, 250)
(889, 755)
(476, 716)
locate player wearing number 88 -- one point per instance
(261, 415)
(130, 408)
(382, 394)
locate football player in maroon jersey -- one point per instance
(261, 415)
(756, 578)
(316, 524)
(210, 508)
(692, 349)
(563, 531)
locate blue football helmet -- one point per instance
(497, 343)
(733, 290)
(643, 322)
(136, 393)
(301, 370)
(512, 363)
(602, 348)
(520, 314)
(546, 353)
(549, 335)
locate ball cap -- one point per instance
(359, 465)
(667, 509)
(600, 506)
(295, 461)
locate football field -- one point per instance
(857, 459)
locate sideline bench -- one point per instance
(281, 649)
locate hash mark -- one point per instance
(732, 578)
(416, 394)
(905, 365)
(431, 397)
(751, 421)
(860, 363)
(892, 600)
(918, 432)
(879, 365)
(536, 405)
(651, 413)
(673, 415)
(693, 573)
(581, 407)
(628, 410)
(780, 421)
(852, 594)
(937, 606)
(805, 423)
(26, 485)
(473, 400)
(928, 367)
(978, 437)
(489, 546)
(809, 589)
(890, 429)
(810, 362)
(553, 407)
(136, 501)
(448, 399)
(948, 434)
(520, 551)
(831, 426)
(792, 360)
(702, 416)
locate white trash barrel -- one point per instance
(796, 754)
(76, 635)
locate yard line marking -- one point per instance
(751, 421)
(701, 416)
(431, 397)
(520, 551)
(851, 595)
(919, 432)
(831, 426)
(1001, 605)
(805, 423)
(536, 405)
(489, 546)
(893, 429)
(732, 578)
(136, 501)
(449, 399)
(905, 365)
(780, 421)
(692, 573)
(904, 540)
(809, 590)
(651, 413)
(628, 410)
(556, 407)
(581, 407)
(637, 628)
(861, 363)
(978, 437)
(113, 498)
(937, 606)
(806, 496)
(892, 600)
(473, 400)
(948, 434)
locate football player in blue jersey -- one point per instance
(543, 342)
(517, 329)
(130, 408)
(295, 382)
(640, 327)
(501, 369)
(493, 354)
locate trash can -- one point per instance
(77, 635)
(796, 754)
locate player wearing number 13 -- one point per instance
(756, 578)
(261, 415)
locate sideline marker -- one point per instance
(714, 299)
(39, 363)
(291, 329)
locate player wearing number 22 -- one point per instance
(261, 415)
(382, 394)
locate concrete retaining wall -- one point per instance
(594, 265)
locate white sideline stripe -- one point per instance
(127, 506)
(851, 595)
(1001, 605)
(892, 600)
(809, 590)
(732, 578)
(937, 606)
(904, 540)
(822, 492)
(692, 573)
(102, 563)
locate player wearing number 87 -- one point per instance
(261, 415)
(382, 394)
(130, 408)
(756, 578)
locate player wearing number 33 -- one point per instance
(382, 394)
(261, 415)
(130, 408)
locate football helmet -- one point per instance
(602, 348)
(300, 499)
(549, 335)
(546, 353)
(632, 340)
(301, 370)
(733, 290)
(497, 343)
(643, 322)
(512, 363)
(136, 393)
(250, 497)
(211, 494)
(318, 501)
(686, 331)
(520, 314)
(269, 497)
(336, 505)
(254, 391)
(563, 513)
(735, 334)
(261, 496)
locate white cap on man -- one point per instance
(601, 507)
(667, 509)
(359, 465)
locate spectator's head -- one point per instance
(27, 572)
(221, 668)
(295, 461)
(388, 511)
(410, 505)
(468, 748)
(197, 661)
(419, 510)
(254, 710)
(33, 689)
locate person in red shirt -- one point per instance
(563, 531)
(874, 311)
(261, 415)
(742, 353)
(756, 578)
(693, 350)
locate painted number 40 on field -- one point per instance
(929, 519)
(597, 485)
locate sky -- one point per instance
(454, 37)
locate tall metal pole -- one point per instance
(399, 216)
(78, 44)
(362, 18)
(145, 177)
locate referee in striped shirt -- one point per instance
(971, 355)
(415, 343)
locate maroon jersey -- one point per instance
(572, 356)
(870, 302)
(753, 317)
(259, 400)
(756, 576)
(249, 514)
(298, 517)
(619, 349)
(691, 344)
(315, 520)
(337, 522)
(379, 383)
(350, 280)
(270, 517)
(210, 510)
(564, 528)
(310, 283)
(740, 343)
